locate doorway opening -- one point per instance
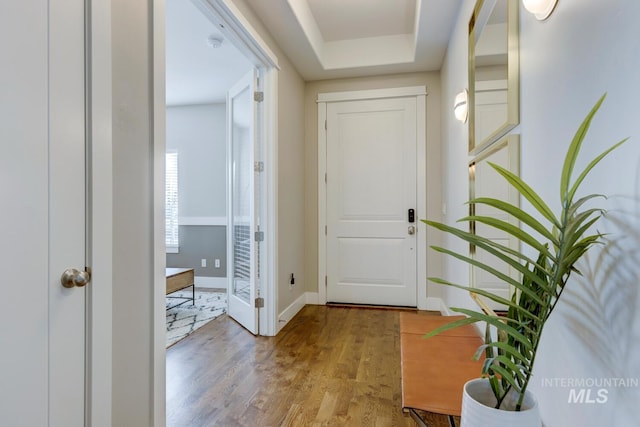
(221, 223)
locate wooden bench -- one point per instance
(434, 370)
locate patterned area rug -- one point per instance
(186, 318)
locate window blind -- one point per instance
(171, 200)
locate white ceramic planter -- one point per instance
(478, 408)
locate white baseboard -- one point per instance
(437, 304)
(312, 298)
(293, 309)
(210, 282)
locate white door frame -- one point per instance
(100, 216)
(418, 92)
(241, 33)
(235, 27)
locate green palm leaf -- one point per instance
(498, 323)
(591, 165)
(486, 294)
(518, 214)
(478, 240)
(574, 149)
(527, 192)
(510, 229)
(496, 273)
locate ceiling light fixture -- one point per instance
(541, 9)
(214, 42)
(460, 108)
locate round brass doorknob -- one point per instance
(73, 277)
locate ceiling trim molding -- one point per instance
(358, 95)
(376, 51)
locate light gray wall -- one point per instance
(586, 48)
(201, 242)
(198, 134)
(132, 215)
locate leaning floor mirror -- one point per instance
(484, 181)
(493, 72)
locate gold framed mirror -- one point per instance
(484, 181)
(494, 75)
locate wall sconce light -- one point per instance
(460, 107)
(541, 9)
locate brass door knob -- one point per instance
(73, 277)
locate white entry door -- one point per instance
(242, 203)
(371, 188)
(42, 166)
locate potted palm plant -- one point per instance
(512, 339)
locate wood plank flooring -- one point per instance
(329, 366)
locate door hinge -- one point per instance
(259, 236)
(325, 124)
(258, 96)
(325, 178)
(325, 281)
(325, 230)
(258, 167)
(259, 302)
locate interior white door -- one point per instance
(371, 186)
(242, 202)
(42, 117)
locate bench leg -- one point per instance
(417, 419)
(421, 423)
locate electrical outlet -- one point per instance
(203, 262)
(216, 263)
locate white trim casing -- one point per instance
(158, 126)
(361, 95)
(99, 294)
(421, 197)
(322, 203)
(420, 93)
(268, 315)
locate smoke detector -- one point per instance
(214, 42)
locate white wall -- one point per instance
(133, 357)
(586, 48)
(198, 132)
